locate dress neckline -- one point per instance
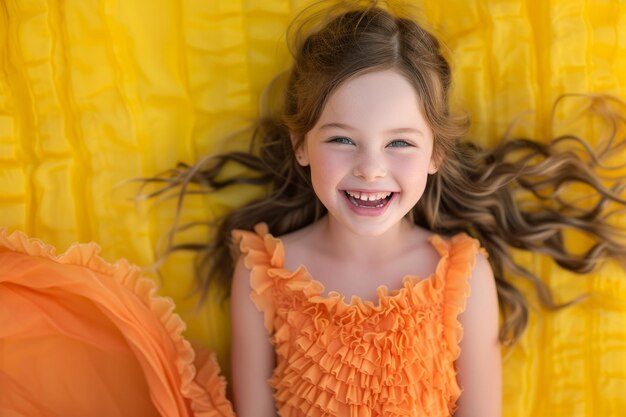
(302, 281)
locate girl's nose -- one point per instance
(369, 168)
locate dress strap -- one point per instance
(462, 251)
(261, 252)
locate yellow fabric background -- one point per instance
(95, 92)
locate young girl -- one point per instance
(359, 349)
(367, 129)
(358, 262)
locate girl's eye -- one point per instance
(399, 143)
(342, 140)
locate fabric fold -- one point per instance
(106, 343)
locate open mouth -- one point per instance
(369, 200)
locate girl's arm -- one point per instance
(479, 365)
(252, 355)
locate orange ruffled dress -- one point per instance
(360, 359)
(82, 337)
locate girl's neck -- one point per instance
(345, 244)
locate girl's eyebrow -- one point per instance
(336, 125)
(394, 131)
(406, 130)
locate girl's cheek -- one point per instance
(414, 162)
(330, 161)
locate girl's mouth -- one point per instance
(369, 200)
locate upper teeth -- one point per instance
(368, 196)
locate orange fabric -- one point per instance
(80, 337)
(336, 358)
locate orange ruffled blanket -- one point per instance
(82, 337)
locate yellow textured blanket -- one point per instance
(95, 92)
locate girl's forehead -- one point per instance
(381, 99)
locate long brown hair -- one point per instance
(476, 191)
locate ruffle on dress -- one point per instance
(80, 336)
(357, 358)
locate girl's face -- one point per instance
(370, 152)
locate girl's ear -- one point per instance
(433, 167)
(299, 149)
